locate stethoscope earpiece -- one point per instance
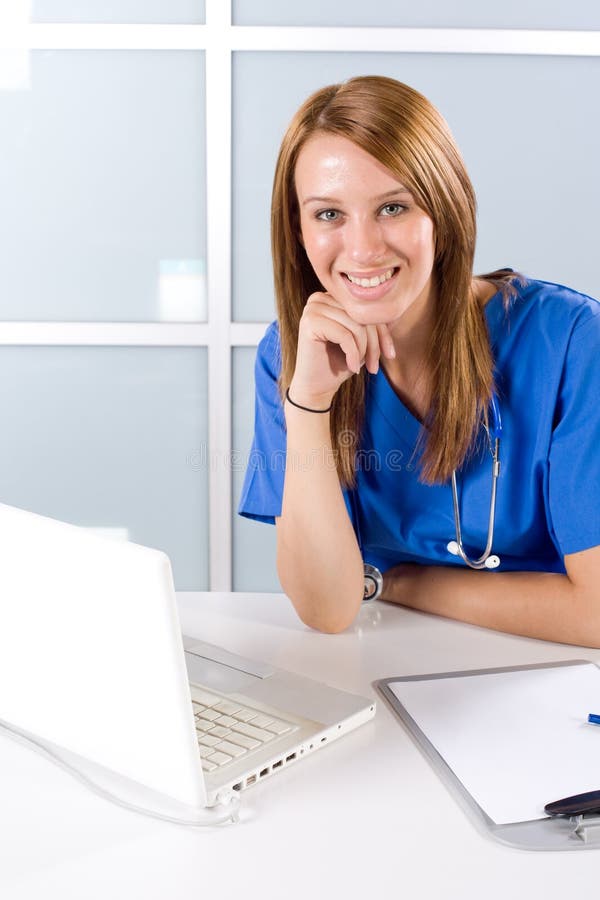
(490, 562)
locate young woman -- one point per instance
(392, 372)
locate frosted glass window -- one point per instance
(426, 14)
(113, 438)
(118, 11)
(102, 178)
(523, 124)
(254, 543)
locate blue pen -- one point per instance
(594, 719)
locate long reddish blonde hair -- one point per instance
(402, 130)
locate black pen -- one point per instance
(576, 805)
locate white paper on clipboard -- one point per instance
(516, 739)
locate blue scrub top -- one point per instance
(546, 347)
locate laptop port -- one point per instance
(250, 780)
(238, 786)
(264, 772)
(278, 763)
(290, 757)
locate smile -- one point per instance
(369, 282)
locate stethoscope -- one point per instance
(487, 560)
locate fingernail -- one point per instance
(392, 350)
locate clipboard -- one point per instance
(444, 715)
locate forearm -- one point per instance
(318, 559)
(542, 605)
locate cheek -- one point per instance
(320, 248)
(423, 241)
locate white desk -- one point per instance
(364, 817)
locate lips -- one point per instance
(370, 286)
(369, 280)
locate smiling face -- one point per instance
(371, 247)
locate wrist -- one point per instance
(401, 583)
(308, 400)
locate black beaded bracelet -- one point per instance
(306, 408)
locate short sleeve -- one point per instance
(574, 471)
(263, 484)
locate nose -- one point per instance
(365, 244)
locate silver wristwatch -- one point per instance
(373, 583)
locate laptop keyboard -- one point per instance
(227, 730)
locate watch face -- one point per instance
(370, 587)
(373, 583)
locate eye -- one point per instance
(328, 215)
(392, 209)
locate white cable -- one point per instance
(227, 809)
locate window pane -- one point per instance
(426, 14)
(102, 178)
(118, 11)
(111, 437)
(521, 122)
(254, 546)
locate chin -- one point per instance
(365, 319)
(374, 315)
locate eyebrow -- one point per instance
(393, 193)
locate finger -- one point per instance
(336, 333)
(373, 351)
(386, 342)
(321, 312)
(327, 330)
(372, 341)
(323, 297)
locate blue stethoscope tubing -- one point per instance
(487, 560)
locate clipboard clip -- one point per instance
(583, 812)
(583, 825)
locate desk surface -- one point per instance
(364, 816)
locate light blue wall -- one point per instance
(254, 545)
(102, 178)
(425, 14)
(118, 11)
(111, 437)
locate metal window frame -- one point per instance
(219, 39)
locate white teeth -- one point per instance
(370, 282)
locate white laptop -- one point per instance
(92, 662)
